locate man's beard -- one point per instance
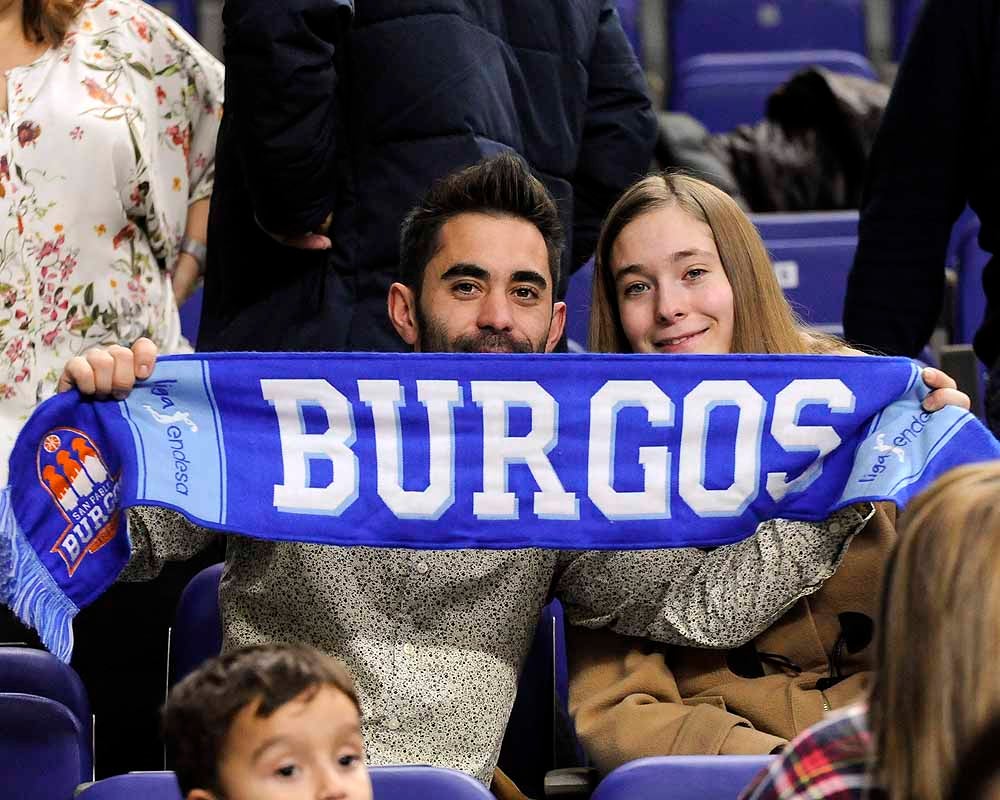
(434, 339)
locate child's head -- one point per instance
(267, 723)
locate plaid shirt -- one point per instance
(832, 759)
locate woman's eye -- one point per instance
(635, 288)
(695, 272)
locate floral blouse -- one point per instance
(106, 141)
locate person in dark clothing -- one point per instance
(339, 116)
(936, 150)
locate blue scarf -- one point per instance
(436, 451)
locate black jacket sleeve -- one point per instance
(618, 135)
(281, 98)
(920, 176)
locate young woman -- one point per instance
(937, 685)
(680, 269)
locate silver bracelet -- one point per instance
(196, 250)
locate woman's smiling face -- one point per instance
(672, 291)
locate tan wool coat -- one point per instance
(632, 698)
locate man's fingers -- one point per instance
(144, 357)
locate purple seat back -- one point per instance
(723, 90)
(197, 631)
(40, 753)
(681, 778)
(24, 670)
(732, 26)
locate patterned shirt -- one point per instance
(435, 639)
(106, 141)
(832, 759)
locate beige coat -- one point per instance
(632, 698)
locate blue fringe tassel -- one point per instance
(28, 589)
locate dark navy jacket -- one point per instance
(359, 116)
(937, 149)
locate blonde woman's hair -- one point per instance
(763, 322)
(938, 679)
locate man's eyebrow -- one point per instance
(529, 276)
(465, 270)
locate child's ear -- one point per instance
(200, 794)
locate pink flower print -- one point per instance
(4, 168)
(200, 161)
(142, 29)
(97, 92)
(27, 133)
(20, 313)
(161, 95)
(22, 376)
(174, 132)
(126, 234)
(15, 349)
(50, 337)
(76, 134)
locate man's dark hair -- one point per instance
(201, 708)
(502, 186)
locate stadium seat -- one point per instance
(388, 783)
(732, 26)
(191, 315)
(812, 254)
(184, 11)
(904, 18)
(578, 293)
(197, 631)
(144, 785)
(723, 90)
(968, 262)
(631, 17)
(681, 778)
(36, 672)
(40, 752)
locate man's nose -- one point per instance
(495, 312)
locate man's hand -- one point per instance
(104, 371)
(944, 391)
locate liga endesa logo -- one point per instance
(73, 472)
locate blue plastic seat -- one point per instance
(24, 670)
(184, 11)
(190, 314)
(630, 13)
(388, 783)
(969, 261)
(197, 631)
(681, 778)
(732, 26)
(723, 90)
(812, 255)
(905, 14)
(40, 752)
(578, 294)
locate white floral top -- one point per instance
(106, 141)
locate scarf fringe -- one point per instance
(29, 590)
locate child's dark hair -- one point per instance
(201, 708)
(501, 185)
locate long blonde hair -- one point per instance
(763, 322)
(938, 674)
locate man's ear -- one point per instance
(403, 313)
(556, 327)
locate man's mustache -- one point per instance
(491, 342)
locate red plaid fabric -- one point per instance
(832, 760)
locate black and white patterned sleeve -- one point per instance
(719, 598)
(159, 535)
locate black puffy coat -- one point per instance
(358, 113)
